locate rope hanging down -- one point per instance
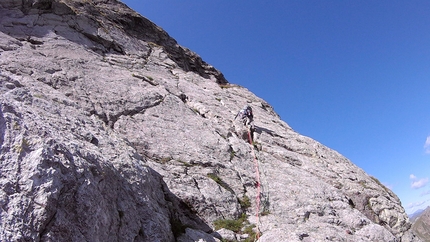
(257, 172)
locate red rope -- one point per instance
(257, 213)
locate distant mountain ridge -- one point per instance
(421, 224)
(415, 215)
(112, 131)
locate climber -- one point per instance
(247, 117)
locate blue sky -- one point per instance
(353, 75)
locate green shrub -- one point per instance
(214, 177)
(250, 231)
(234, 225)
(245, 202)
(150, 78)
(240, 225)
(220, 182)
(232, 154)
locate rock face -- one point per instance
(111, 131)
(421, 225)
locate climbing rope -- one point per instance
(257, 172)
(264, 195)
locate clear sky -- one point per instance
(353, 75)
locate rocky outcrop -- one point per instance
(421, 225)
(111, 131)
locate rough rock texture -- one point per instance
(111, 131)
(421, 225)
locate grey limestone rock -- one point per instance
(112, 131)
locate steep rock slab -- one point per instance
(65, 178)
(95, 98)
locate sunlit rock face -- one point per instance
(111, 131)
